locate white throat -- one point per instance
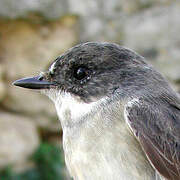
(69, 108)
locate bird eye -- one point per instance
(80, 73)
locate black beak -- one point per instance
(36, 82)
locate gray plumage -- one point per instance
(120, 117)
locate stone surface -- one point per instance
(22, 8)
(33, 104)
(107, 20)
(57, 8)
(3, 89)
(18, 139)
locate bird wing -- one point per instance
(157, 128)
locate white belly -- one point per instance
(105, 154)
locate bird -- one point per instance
(120, 117)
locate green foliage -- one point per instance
(49, 166)
(7, 174)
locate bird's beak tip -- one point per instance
(33, 83)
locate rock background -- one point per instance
(34, 32)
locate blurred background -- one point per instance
(34, 32)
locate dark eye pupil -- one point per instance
(80, 73)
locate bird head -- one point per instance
(91, 71)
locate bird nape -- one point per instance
(120, 117)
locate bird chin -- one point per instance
(53, 94)
(70, 108)
(57, 95)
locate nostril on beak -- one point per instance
(40, 78)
